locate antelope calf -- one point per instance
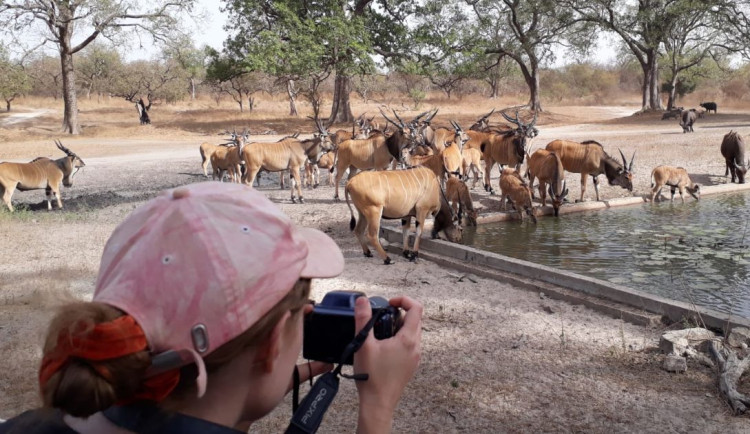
(472, 161)
(675, 178)
(398, 194)
(229, 159)
(459, 197)
(40, 173)
(547, 167)
(514, 189)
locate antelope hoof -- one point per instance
(301, 200)
(407, 254)
(316, 185)
(387, 261)
(293, 201)
(336, 199)
(414, 256)
(368, 254)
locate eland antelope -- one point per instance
(675, 178)
(506, 148)
(40, 173)
(589, 158)
(399, 194)
(514, 189)
(547, 167)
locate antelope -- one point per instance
(513, 189)
(290, 154)
(547, 166)
(229, 159)
(40, 173)
(733, 151)
(398, 194)
(675, 178)
(452, 153)
(589, 158)
(472, 161)
(459, 197)
(375, 152)
(506, 147)
(207, 149)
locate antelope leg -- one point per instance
(373, 215)
(359, 232)
(405, 226)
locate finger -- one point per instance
(362, 314)
(307, 309)
(316, 368)
(413, 317)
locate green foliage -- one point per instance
(14, 81)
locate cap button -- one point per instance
(180, 193)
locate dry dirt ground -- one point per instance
(495, 358)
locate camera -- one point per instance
(329, 328)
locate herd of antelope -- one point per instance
(404, 170)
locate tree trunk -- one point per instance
(7, 104)
(672, 92)
(494, 88)
(651, 98)
(292, 93)
(341, 110)
(532, 81)
(70, 117)
(192, 88)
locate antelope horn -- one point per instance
(624, 161)
(630, 167)
(509, 119)
(63, 148)
(399, 118)
(386, 117)
(419, 116)
(485, 117)
(429, 119)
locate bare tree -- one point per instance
(64, 21)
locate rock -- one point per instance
(739, 336)
(674, 363)
(542, 295)
(677, 341)
(548, 309)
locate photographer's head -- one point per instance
(214, 272)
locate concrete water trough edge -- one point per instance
(469, 258)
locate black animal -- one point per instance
(733, 150)
(674, 113)
(709, 106)
(688, 119)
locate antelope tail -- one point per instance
(335, 160)
(353, 221)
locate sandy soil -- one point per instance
(495, 358)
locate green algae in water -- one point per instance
(694, 251)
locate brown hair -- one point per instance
(79, 390)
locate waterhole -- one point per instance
(697, 252)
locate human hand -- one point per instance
(390, 363)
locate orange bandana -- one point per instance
(106, 341)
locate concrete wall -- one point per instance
(673, 310)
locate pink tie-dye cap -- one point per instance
(200, 264)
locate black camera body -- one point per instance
(329, 328)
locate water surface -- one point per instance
(697, 252)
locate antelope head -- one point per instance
(557, 199)
(323, 134)
(624, 176)
(72, 164)
(462, 136)
(741, 170)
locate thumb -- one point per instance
(362, 313)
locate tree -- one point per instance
(644, 28)
(96, 67)
(526, 32)
(289, 38)
(190, 59)
(14, 81)
(230, 76)
(46, 76)
(65, 21)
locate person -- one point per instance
(196, 324)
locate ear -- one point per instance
(269, 350)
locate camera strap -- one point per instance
(309, 414)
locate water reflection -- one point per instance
(697, 252)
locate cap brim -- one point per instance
(324, 257)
